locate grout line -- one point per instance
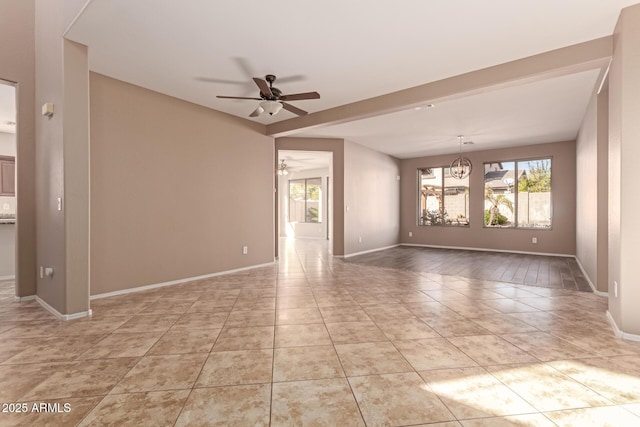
(311, 277)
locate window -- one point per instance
(444, 200)
(305, 200)
(518, 194)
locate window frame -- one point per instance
(320, 204)
(515, 162)
(453, 223)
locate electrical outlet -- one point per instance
(411, 234)
(359, 239)
(534, 240)
(245, 250)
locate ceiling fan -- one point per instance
(273, 99)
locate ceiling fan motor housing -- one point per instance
(276, 94)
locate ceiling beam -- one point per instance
(567, 60)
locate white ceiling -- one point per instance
(354, 50)
(297, 160)
(7, 108)
(546, 111)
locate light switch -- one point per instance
(59, 203)
(47, 109)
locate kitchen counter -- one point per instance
(7, 218)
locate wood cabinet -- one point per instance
(7, 176)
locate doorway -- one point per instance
(8, 183)
(304, 195)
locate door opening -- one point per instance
(304, 194)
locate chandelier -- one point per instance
(460, 168)
(282, 168)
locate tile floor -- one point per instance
(317, 341)
(515, 268)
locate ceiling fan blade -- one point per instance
(243, 64)
(264, 87)
(300, 96)
(294, 110)
(257, 112)
(291, 79)
(238, 97)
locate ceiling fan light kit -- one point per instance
(272, 98)
(461, 167)
(271, 107)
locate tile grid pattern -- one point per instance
(317, 341)
(523, 269)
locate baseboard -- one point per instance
(175, 282)
(23, 299)
(586, 276)
(618, 332)
(59, 315)
(463, 248)
(3, 278)
(367, 252)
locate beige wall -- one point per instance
(586, 192)
(603, 189)
(49, 169)
(591, 196)
(335, 146)
(62, 79)
(615, 129)
(624, 150)
(17, 50)
(371, 199)
(76, 176)
(176, 189)
(559, 240)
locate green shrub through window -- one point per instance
(518, 194)
(305, 200)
